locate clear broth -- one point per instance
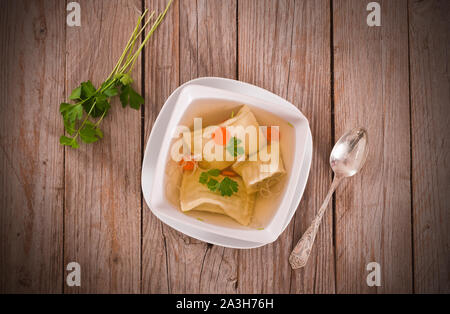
(214, 112)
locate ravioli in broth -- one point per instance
(224, 178)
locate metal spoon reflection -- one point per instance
(347, 158)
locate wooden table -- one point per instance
(60, 205)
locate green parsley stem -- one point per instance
(130, 51)
(127, 47)
(133, 58)
(84, 121)
(152, 30)
(101, 118)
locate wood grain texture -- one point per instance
(310, 90)
(429, 34)
(265, 34)
(31, 161)
(58, 205)
(208, 48)
(207, 37)
(273, 36)
(216, 41)
(217, 31)
(161, 78)
(373, 209)
(102, 199)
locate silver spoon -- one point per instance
(346, 159)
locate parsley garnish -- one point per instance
(226, 187)
(93, 103)
(233, 147)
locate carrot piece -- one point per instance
(189, 165)
(221, 136)
(274, 131)
(228, 173)
(187, 162)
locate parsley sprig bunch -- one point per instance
(91, 105)
(226, 187)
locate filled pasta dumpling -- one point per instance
(255, 176)
(197, 196)
(229, 131)
(229, 168)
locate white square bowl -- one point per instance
(162, 208)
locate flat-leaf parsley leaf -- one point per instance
(226, 187)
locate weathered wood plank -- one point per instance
(161, 78)
(430, 117)
(216, 22)
(216, 26)
(31, 160)
(102, 198)
(284, 47)
(310, 90)
(265, 34)
(373, 209)
(207, 31)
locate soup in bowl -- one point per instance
(229, 164)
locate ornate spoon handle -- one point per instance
(301, 251)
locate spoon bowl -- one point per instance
(349, 153)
